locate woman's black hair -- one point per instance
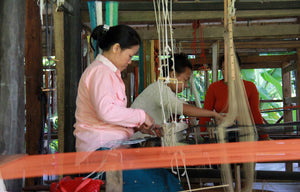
(106, 37)
(181, 63)
(222, 58)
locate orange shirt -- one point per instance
(216, 98)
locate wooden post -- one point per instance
(141, 68)
(35, 99)
(286, 92)
(225, 42)
(34, 78)
(215, 59)
(206, 80)
(237, 173)
(73, 68)
(58, 18)
(298, 77)
(126, 77)
(298, 85)
(152, 63)
(12, 113)
(147, 61)
(114, 181)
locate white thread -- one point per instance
(163, 19)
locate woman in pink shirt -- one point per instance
(102, 118)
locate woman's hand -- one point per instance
(149, 122)
(155, 130)
(149, 127)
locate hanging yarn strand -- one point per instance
(163, 17)
(238, 106)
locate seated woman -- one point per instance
(150, 99)
(102, 119)
(101, 113)
(216, 98)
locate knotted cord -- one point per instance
(163, 17)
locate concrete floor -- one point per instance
(277, 187)
(262, 186)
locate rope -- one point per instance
(165, 31)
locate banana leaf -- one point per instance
(267, 77)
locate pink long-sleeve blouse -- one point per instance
(102, 118)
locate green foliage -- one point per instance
(276, 84)
(54, 146)
(55, 119)
(268, 83)
(49, 61)
(278, 53)
(250, 75)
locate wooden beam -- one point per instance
(268, 59)
(247, 44)
(149, 16)
(267, 13)
(206, 5)
(256, 61)
(240, 32)
(261, 65)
